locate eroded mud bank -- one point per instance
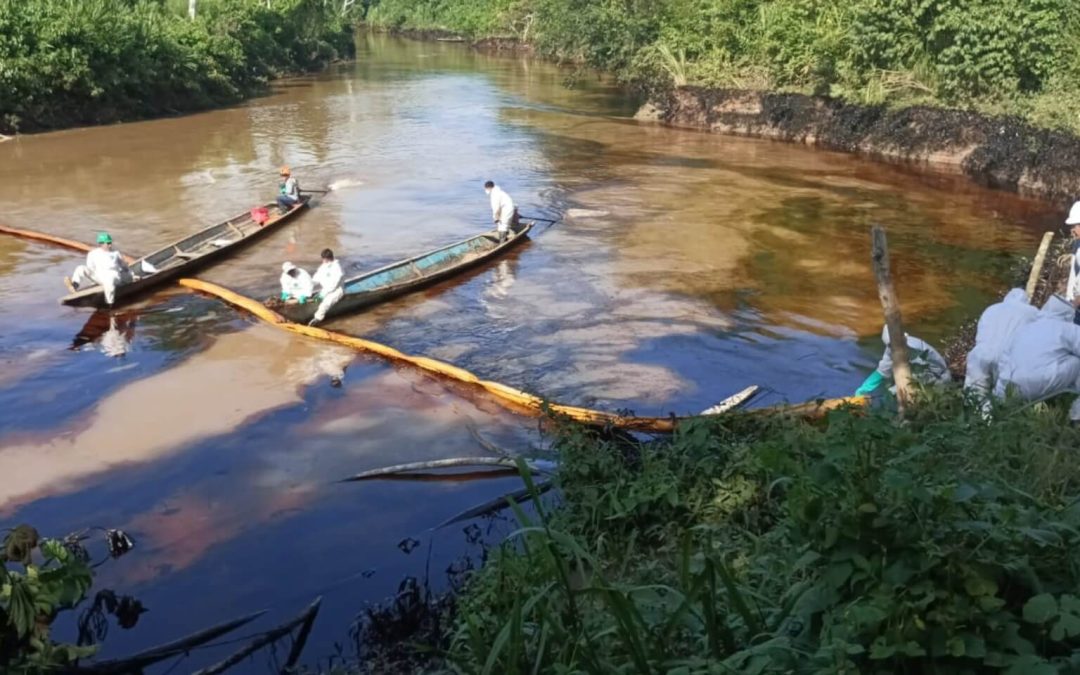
(1003, 153)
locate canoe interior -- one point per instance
(432, 263)
(170, 260)
(407, 275)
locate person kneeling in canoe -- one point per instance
(104, 267)
(502, 209)
(289, 191)
(328, 277)
(296, 284)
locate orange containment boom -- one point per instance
(51, 239)
(513, 399)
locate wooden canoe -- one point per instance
(411, 274)
(186, 255)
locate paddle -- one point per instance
(546, 220)
(317, 192)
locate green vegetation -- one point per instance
(750, 545)
(68, 62)
(996, 56)
(39, 579)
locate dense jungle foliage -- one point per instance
(996, 56)
(941, 545)
(68, 62)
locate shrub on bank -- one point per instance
(991, 55)
(68, 62)
(946, 545)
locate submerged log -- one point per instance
(536, 466)
(496, 504)
(305, 619)
(736, 400)
(136, 663)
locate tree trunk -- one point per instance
(191, 9)
(891, 305)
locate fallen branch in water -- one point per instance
(136, 663)
(732, 402)
(306, 618)
(503, 462)
(496, 504)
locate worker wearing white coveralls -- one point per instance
(296, 284)
(1072, 291)
(995, 332)
(328, 278)
(1044, 357)
(927, 365)
(503, 210)
(104, 267)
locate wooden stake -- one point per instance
(1037, 266)
(891, 305)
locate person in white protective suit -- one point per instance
(927, 365)
(1044, 357)
(104, 267)
(296, 284)
(995, 332)
(503, 210)
(328, 279)
(1072, 291)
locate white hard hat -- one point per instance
(1074, 215)
(287, 267)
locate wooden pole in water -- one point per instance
(891, 305)
(1037, 266)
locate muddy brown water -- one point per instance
(687, 267)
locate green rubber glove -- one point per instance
(872, 382)
(284, 296)
(303, 299)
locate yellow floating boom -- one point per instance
(514, 399)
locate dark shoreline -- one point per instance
(1004, 153)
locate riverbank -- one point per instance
(106, 61)
(1000, 152)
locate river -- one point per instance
(688, 266)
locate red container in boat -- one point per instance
(260, 215)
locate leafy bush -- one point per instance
(859, 546)
(66, 62)
(992, 55)
(39, 579)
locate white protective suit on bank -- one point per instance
(927, 365)
(997, 327)
(1044, 357)
(328, 278)
(1072, 291)
(298, 286)
(105, 268)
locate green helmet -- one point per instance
(104, 238)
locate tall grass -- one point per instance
(753, 546)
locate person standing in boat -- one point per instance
(289, 190)
(296, 284)
(503, 210)
(328, 278)
(104, 267)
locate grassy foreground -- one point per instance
(943, 545)
(994, 56)
(73, 62)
